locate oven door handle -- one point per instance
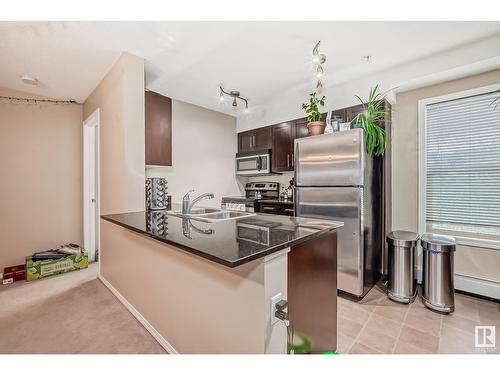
(259, 163)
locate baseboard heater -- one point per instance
(471, 284)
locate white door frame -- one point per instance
(91, 185)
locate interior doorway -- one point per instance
(91, 184)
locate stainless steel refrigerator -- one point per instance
(336, 179)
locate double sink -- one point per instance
(210, 215)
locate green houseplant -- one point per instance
(315, 125)
(369, 120)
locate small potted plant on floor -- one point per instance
(315, 125)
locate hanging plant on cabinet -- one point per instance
(369, 120)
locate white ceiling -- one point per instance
(188, 60)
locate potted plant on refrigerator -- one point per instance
(315, 125)
(373, 114)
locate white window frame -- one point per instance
(422, 179)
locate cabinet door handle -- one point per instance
(288, 160)
(250, 141)
(292, 160)
(254, 141)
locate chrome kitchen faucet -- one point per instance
(187, 204)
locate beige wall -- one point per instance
(204, 145)
(482, 263)
(120, 98)
(41, 177)
(196, 305)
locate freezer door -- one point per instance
(340, 204)
(335, 159)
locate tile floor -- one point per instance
(374, 325)
(377, 325)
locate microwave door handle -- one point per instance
(259, 163)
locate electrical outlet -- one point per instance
(274, 301)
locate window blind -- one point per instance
(463, 161)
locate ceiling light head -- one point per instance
(29, 80)
(319, 72)
(319, 59)
(221, 96)
(319, 86)
(246, 108)
(234, 103)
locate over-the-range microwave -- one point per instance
(254, 163)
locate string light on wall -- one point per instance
(318, 61)
(17, 100)
(235, 95)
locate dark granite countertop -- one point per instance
(287, 202)
(230, 242)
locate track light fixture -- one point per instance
(235, 95)
(318, 59)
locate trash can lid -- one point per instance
(402, 238)
(438, 242)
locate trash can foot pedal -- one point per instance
(441, 309)
(402, 299)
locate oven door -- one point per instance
(253, 165)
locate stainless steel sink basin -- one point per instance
(224, 215)
(195, 211)
(210, 214)
(202, 211)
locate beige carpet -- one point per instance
(72, 313)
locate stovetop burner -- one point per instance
(254, 191)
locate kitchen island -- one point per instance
(207, 287)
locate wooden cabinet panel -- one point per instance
(256, 139)
(352, 112)
(262, 138)
(300, 128)
(276, 208)
(158, 140)
(268, 208)
(282, 148)
(245, 141)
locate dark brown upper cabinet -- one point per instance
(300, 128)
(280, 137)
(352, 112)
(158, 114)
(255, 139)
(282, 151)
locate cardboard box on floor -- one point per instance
(38, 269)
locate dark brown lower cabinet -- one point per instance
(276, 208)
(312, 293)
(158, 141)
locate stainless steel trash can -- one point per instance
(401, 254)
(438, 290)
